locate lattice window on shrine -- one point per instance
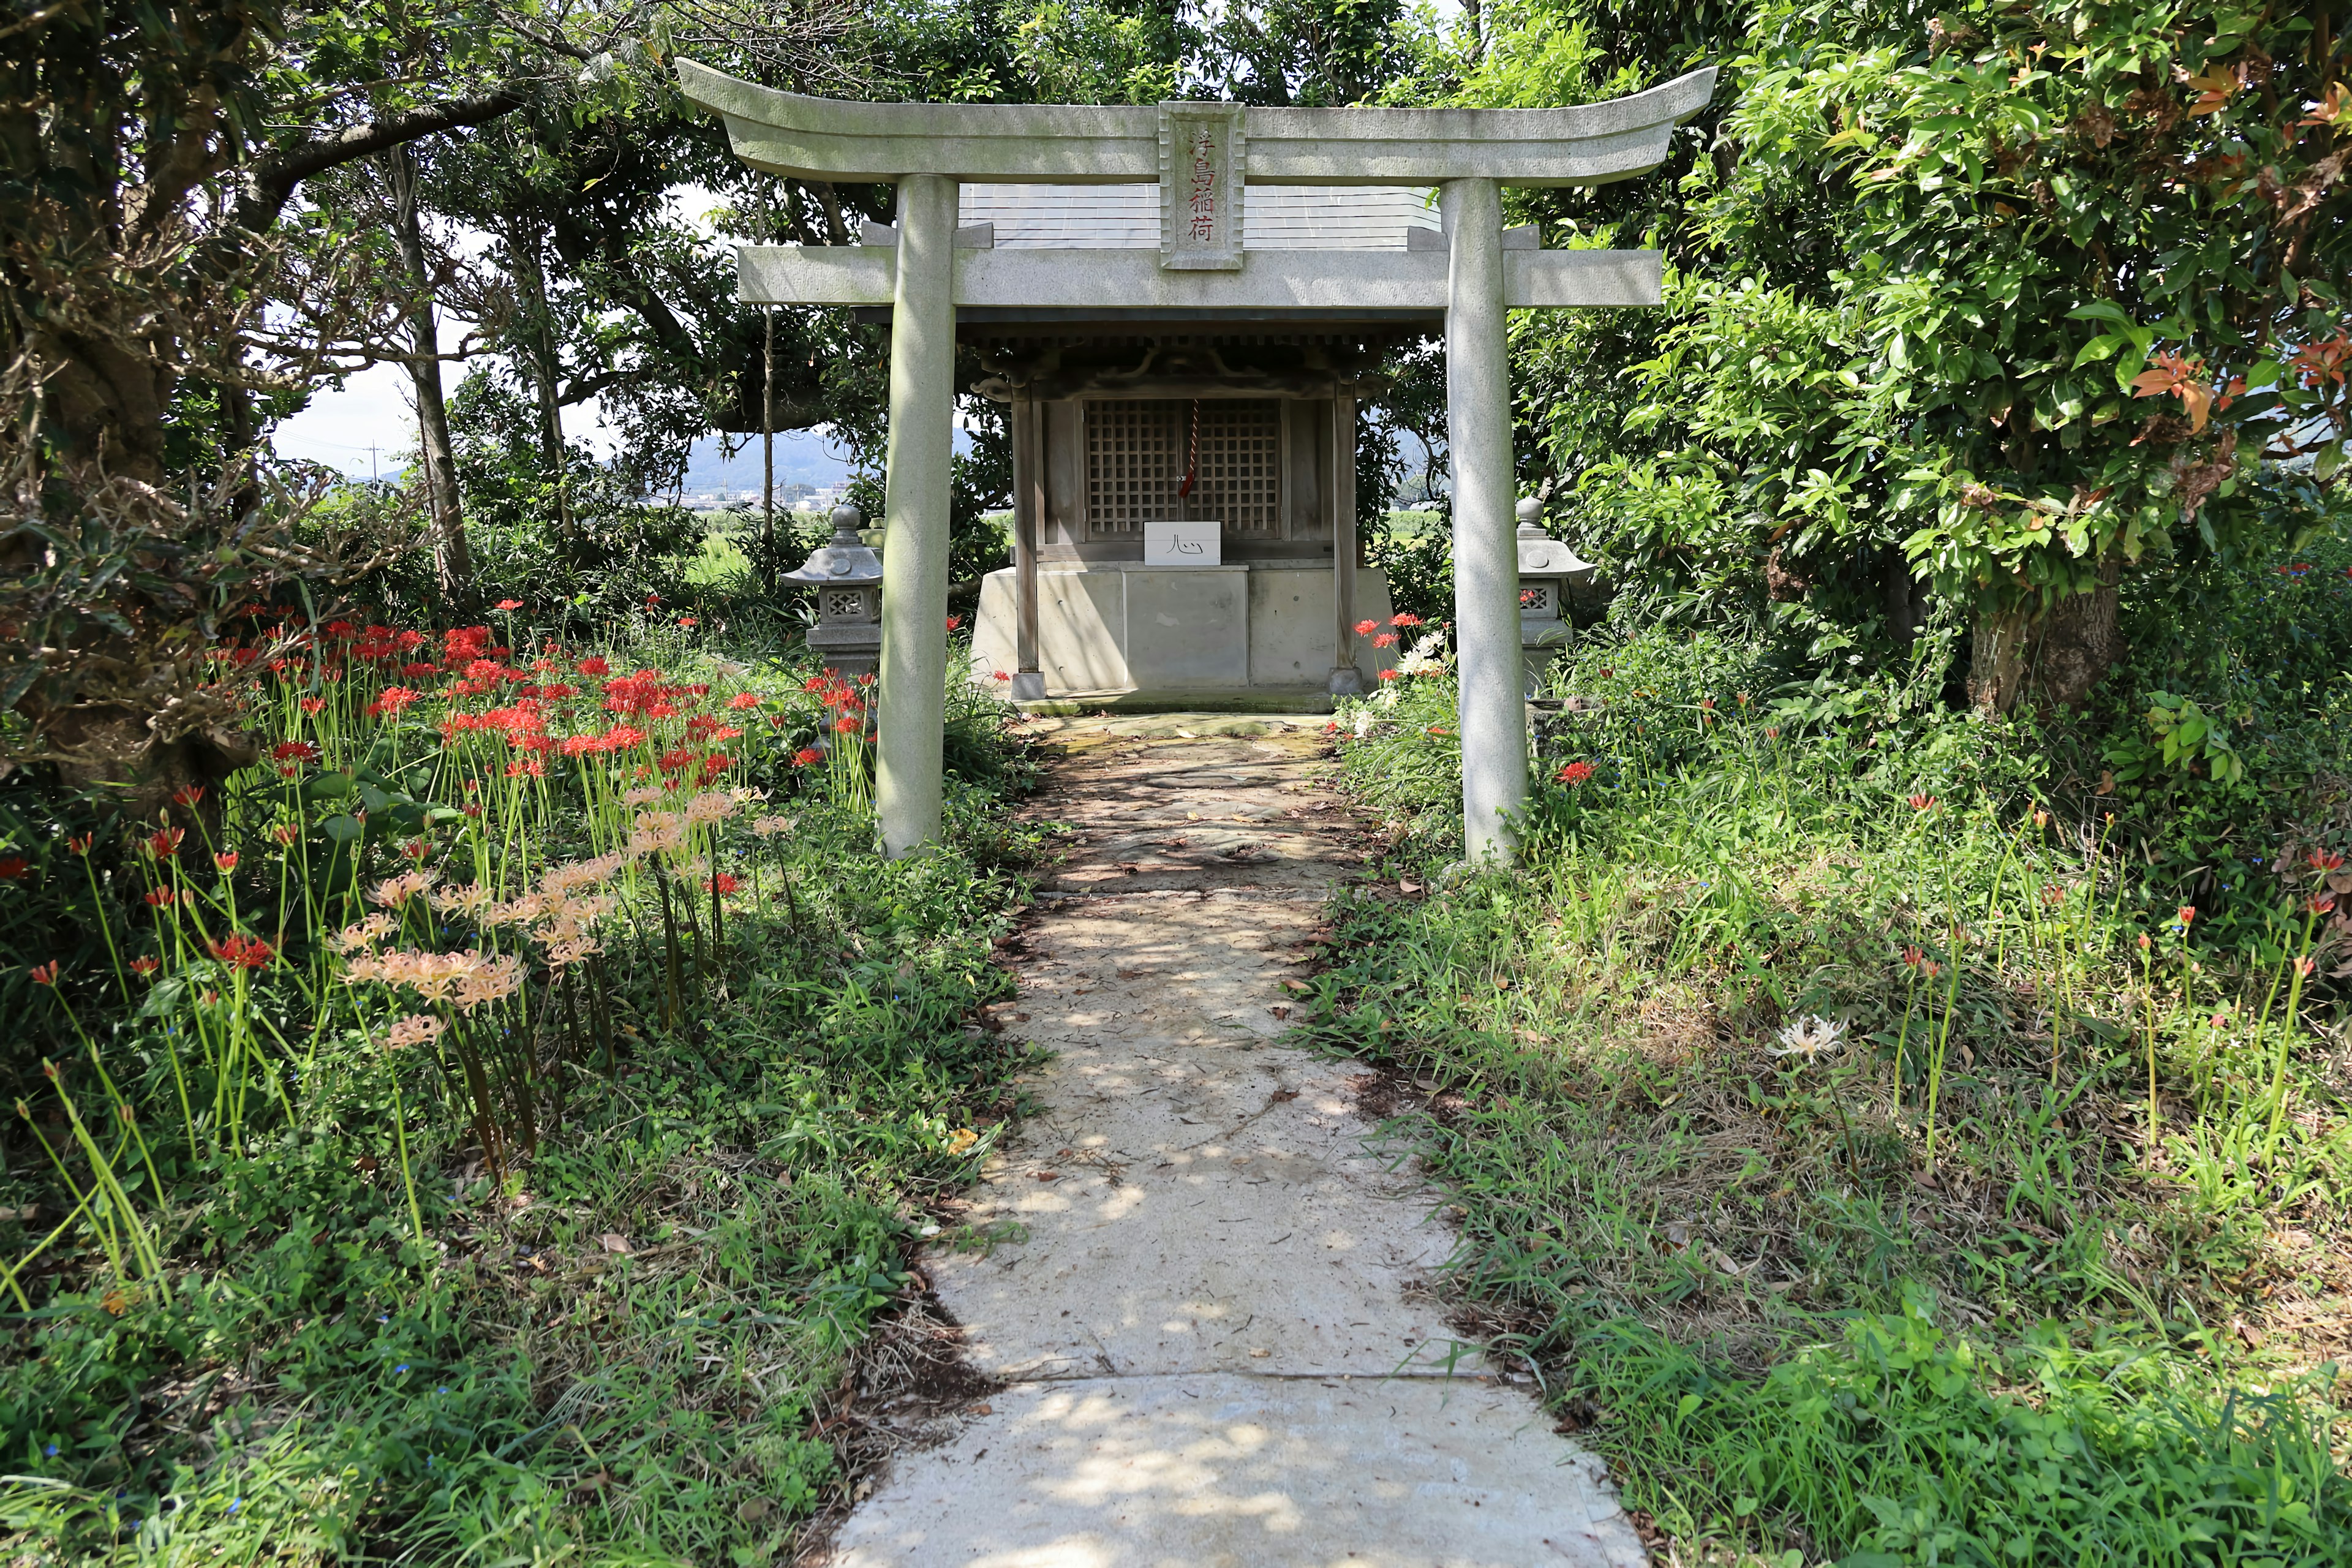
(1138, 451)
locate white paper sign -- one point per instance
(1182, 545)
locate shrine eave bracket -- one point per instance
(836, 139)
(1305, 282)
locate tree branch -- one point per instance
(268, 183)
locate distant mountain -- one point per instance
(802, 458)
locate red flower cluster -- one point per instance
(295, 752)
(12, 866)
(642, 695)
(393, 699)
(241, 951)
(1574, 773)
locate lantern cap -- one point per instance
(845, 561)
(1541, 555)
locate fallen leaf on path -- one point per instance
(614, 1241)
(1279, 1011)
(1048, 1175)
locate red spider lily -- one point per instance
(1392, 675)
(596, 665)
(2322, 902)
(715, 764)
(464, 644)
(12, 866)
(620, 737)
(955, 623)
(241, 951)
(341, 631)
(721, 883)
(652, 599)
(420, 672)
(158, 898)
(849, 723)
(286, 833)
(165, 841)
(999, 675)
(146, 963)
(1404, 618)
(1366, 628)
(1921, 802)
(509, 604)
(2322, 860)
(1772, 733)
(45, 974)
(2184, 915)
(688, 622)
(79, 843)
(314, 704)
(1386, 640)
(1931, 969)
(1574, 773)
(295, 751)
(418, 849)
(471, 810)
(1914, 957)
(806, 755)
(187, 795)
(2143, 943)
(225, 861)
(672, 761)
(392, 701)
(742, 699)
(526, 768)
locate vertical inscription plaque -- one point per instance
(1201, 162)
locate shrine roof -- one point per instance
(1125, 218)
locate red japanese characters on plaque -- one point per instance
(1202, 164)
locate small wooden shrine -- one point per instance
(1185, 498)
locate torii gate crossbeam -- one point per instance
(927, 270)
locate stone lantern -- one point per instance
(848, 576)
(1548, 573)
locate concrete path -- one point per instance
(1205, 1296)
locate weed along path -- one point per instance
(1203, 1298)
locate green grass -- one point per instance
(719, 564)
(624, 1346)
(1948, 1291)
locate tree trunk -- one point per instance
(546, 370)
(2052, 657)
(453, 560)
(1902, 598)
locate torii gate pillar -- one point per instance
(920, 455)
(1490, 665)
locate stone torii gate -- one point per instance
(1203, 157)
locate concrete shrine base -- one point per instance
(1255, 636)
